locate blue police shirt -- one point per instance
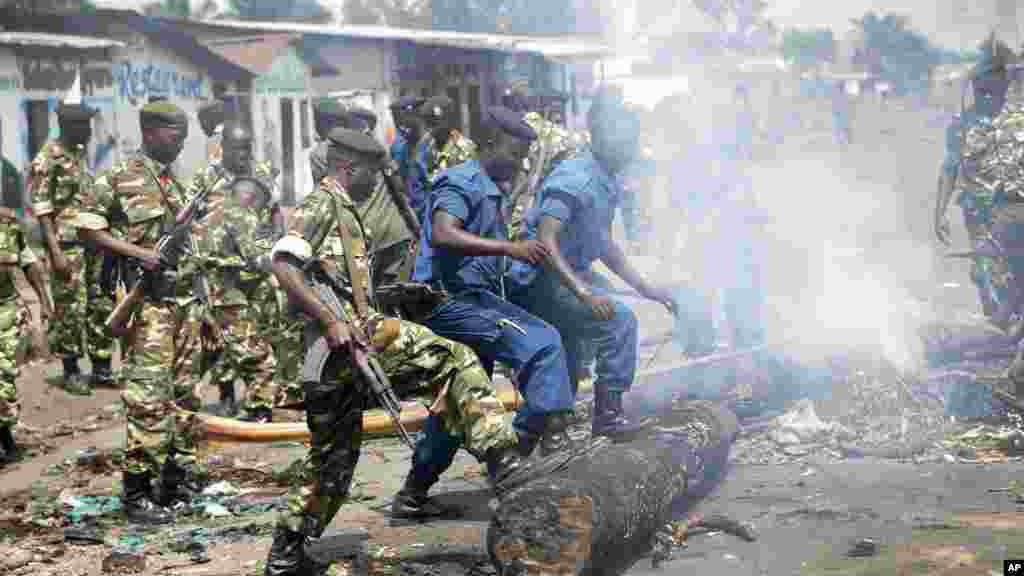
(419, 196)
(400, 154)
(581, 194)
(464, 191)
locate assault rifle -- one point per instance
(363, 359)
(170, 247)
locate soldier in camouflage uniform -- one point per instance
(134, 204)
(966, 137)
(13, 314)
(58, 181)
(416, 360)
(211, 120)
(242, 350)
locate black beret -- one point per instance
(329, 108)
(510, 122)
(75, 112)
(435, 107)
(343, 138)
(162, 114)
(212, 110)
(408, 104)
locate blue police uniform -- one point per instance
(581, 194)
(400, 154)
(419, 197)
(478, 316)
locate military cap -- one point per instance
(510, 122)
(363, 115)
(435, 107)
(256, 183)
(345, 139)
(329, 108)
(408, 104)
(75, 112)
(162, 113)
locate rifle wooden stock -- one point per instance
(120, 318)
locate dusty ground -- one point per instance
(931, 518)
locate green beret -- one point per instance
(75, 112)
(435, 107)
(329, 108)
(345, 139)
(162, 114)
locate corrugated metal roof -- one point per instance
(57, 40)
(560, 47)
(254, 53)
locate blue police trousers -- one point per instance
(498, 332)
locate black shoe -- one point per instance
(11, 452)
(228, 406)
(610, 420)
(287, 556)
(412, 501)
(177, 485)
(139, 505)
(556, 436)
(102, 375)
(258, 415)
(74, 381)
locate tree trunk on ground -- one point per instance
(599, 515)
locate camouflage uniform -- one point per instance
(13, 318)
(239, 292)
(137, 200)
(980, 196)
(59, 181)
(417, 361)
(556, 144)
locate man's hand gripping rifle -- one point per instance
(153, 283)
(363, 358)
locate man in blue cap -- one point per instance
(573, 217)
(401, 112)
(470, 246)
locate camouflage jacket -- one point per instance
(313, 235)
(59, 180)
(137, 200)
(992, 159)
(11, 251)
(456, 150)
(557, 143)
(230, 242)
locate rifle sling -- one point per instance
(359, 276)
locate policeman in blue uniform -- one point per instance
(573, 217)
(470, 241)
(401, 110)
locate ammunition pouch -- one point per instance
(409, 300)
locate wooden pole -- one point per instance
(599, 514)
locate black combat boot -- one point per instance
(139, 504)
(102, 375)
(176, 484)
(228, 406)
(287, 556)
(412, 501)
(74, 381)
(610, 420)
(260, 415)
(556, 436)
(11, 452)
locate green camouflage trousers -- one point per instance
(287, 342)
(990, 275)
(13, 317)
(69, 300)
(246, 354)
(99, 343)
(417, 361)
(159, 377)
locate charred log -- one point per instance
(599, 514)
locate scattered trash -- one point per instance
(84, 535)
(863, 548)
(193, 542)
(82, 507)
(800, 425)
(87, 457)
(215, 510)
(222, 488)
(127, 556)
